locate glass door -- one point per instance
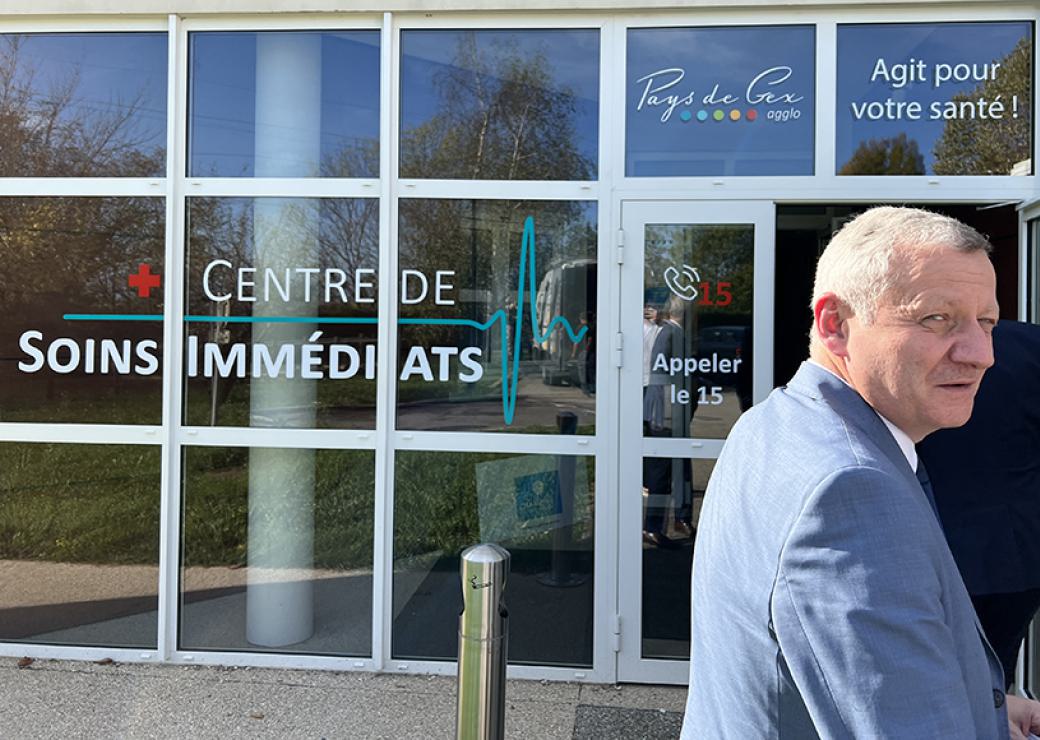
(696, 344)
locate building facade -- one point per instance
(297, 305)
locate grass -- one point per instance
(79, 503)
(83, 503)
(216, 506)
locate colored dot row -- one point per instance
(719, 115)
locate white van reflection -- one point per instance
(569, 290)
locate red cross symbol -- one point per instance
(144, 281)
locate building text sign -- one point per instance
(935, 98)
(720, 101)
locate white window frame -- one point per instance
(610, 188)
(598, 444)
(330, 439)
(145, 434)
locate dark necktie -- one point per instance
(926, 486)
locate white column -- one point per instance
(279, 595)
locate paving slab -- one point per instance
(669, 698)
(621, 723)
(70, 699)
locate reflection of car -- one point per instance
(726, 341)
(731, 341)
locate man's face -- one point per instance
(920, 363)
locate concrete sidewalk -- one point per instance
(66, 699)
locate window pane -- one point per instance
(277, 550)
(82, 299)
(720, 101)
(281, 319)
(500, 105)
(698, 295)
(935, 98)
(539, 507)
(498, 316)
(79, 544)
(673, 491)
(284, 104)
(83, 105)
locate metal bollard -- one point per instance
(483, 640)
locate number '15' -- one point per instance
(722, 295)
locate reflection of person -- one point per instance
(650, 331)
(667, 483)
(986, 477)
(825, 599)
(666, 480)
(663, 416)
(667, 341)
(585, 353)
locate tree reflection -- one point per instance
(351, 157)
(55, 128)
(896, 155)
(346, 232)
(78, 248)
(73, 254)
(992, 146)
(722, 253)
(500, 115)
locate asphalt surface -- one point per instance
(68, 699)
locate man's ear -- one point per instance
(829, 315)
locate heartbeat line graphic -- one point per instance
(510, 355)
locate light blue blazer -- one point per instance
(825, 599)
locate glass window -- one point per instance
(720, 101)
(83, 105)
(79, 544)
(282, 308)
(698, 295)
(81, 293)
(935, 99)
(497, 316)
(539, 507)
(277, 550)
(284, 104)
(500, 105)
(673, 492)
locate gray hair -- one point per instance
(863, 260)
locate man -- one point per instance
(825, 599)
(986, 477)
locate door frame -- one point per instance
(1027, 669)
(635, 215)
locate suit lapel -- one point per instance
(822, 385)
